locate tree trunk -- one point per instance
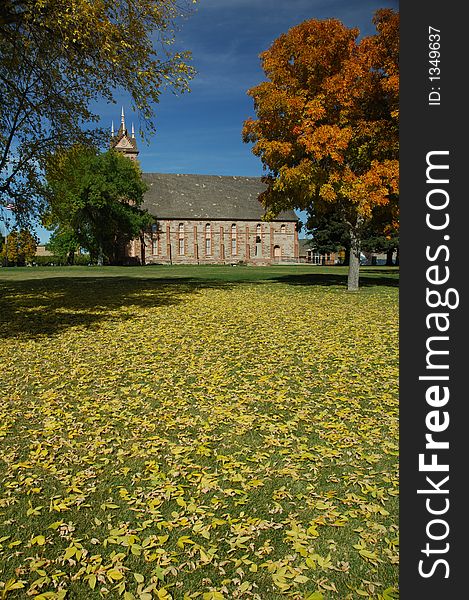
(355, 251)
(100, 257)
(397, 256)
(389, 254)
(142, 250)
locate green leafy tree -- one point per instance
(382, 232)
(57, 58)
(63, 243)
(330, 233)
(95, 200)
(327, 122)
(327, 229)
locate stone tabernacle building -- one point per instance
(207, 218)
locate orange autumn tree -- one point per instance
(327, 122)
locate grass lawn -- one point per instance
(198, 432)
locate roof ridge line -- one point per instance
(203, 175)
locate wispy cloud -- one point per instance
(201, 131)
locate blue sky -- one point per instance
(200, 132)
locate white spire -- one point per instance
(112, 128)
(133, 131)
(123, 120)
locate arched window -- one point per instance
(208, 239)
(234, 240)
(181, 238)
(258, 240)
(283, 229)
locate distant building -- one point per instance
(41, 250)
(309, 255)
(207, 218)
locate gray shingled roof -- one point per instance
(208, 197)
(305, 244)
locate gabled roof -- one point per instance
(305, 244)
(123, 140)
(207, 197)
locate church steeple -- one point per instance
(123, 121)
(122, 141)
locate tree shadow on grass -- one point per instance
(371, 278)
(43, 307)
(49, 306)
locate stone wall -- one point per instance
(226, 242)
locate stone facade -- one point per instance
(174, 241)
(207, 218)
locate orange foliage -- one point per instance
(327, 118)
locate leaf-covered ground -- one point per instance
(213, 438)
